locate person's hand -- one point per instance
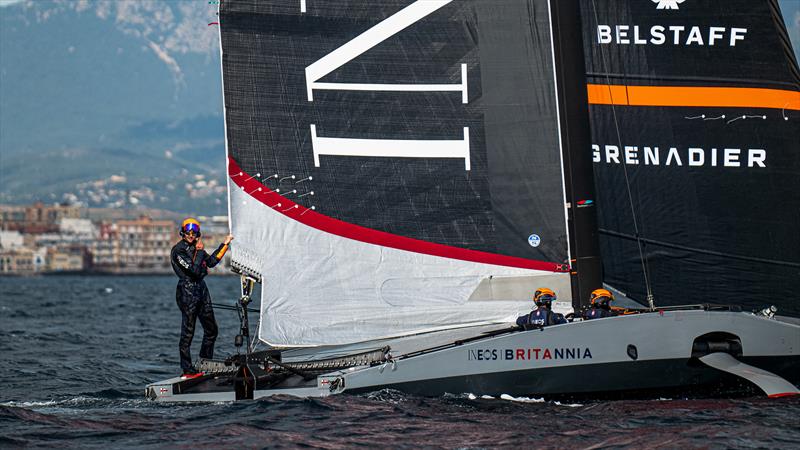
(199, 245)
(228, 239)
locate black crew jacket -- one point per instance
(191, 264)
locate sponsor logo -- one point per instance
(675, 156)
(325, 147)
(669, 35)
(685, 35)
(528, 354)
(668, 4)
(584, 203)
(534, 240)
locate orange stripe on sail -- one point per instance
(734, 97)
(607, 94)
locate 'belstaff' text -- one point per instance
(673, 34)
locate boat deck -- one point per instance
(399, 345)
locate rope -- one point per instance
(231, 307)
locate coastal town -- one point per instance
(62, 238)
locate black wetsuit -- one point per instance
(191, 266)
(542, 317)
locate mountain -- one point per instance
(91, 90)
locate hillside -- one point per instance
(91, 90)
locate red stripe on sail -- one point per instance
(328, 224)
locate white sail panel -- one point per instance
(358, 291)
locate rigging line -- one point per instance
(642, 257)
(231, 307)
(255, 341)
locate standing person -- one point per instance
(542, 315)
(191, 262)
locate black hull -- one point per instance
(610, 381)
(681, 378)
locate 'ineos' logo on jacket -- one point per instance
(668, 4)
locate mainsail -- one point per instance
(395, 166)
(695, 106)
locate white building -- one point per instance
(10, 239)
(81, 227)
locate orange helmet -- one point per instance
(544, 296)
(601, 297)
(190, 225)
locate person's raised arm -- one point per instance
(215, 257)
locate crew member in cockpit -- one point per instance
(600, 305)
(542, 315)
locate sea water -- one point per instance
(77, 351)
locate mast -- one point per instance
(586, 265)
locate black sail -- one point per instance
(513, 186)
(428, 132)
(699, 102)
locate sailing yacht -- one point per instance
(403, 175)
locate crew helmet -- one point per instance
(190, 225)
(601, 297)
(544, 297)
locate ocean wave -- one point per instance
(521, 399)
